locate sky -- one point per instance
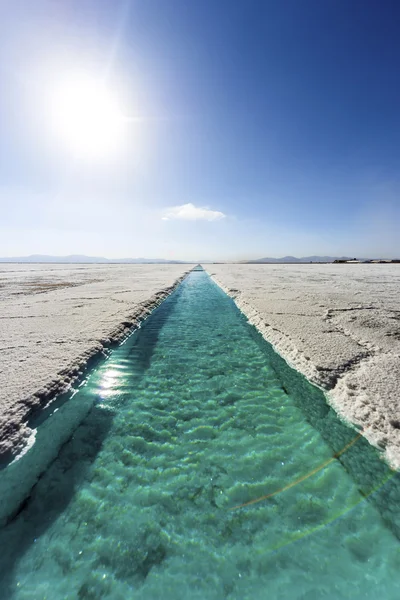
(201, 129)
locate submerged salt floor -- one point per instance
(191, 419)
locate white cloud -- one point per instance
(190, 212)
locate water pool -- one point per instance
(193, 417)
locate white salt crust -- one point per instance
(54, 318)
(339, 325)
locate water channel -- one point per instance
(206, 469)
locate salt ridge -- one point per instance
(339, 326)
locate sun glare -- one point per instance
(86, 116)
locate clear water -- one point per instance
(192, 416)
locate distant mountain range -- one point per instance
(303, 259)
(78, 258)
(82, 259)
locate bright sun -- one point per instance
(85, 114)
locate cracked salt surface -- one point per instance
(339, 325)
(54, 318)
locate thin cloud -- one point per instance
(190, 212)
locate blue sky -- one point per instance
(251, 128)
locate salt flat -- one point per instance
(53, 318)
(337, 324)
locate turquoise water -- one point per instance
(193, 416)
